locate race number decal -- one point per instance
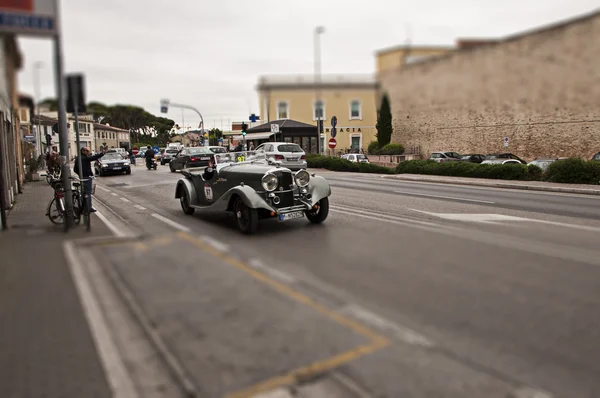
(241, 158)
(208, 192)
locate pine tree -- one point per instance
(384, 123)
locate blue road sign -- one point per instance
(333, 132)
(164, 109)
(221, 140)
(156, 149)
(253, 118)
(505, 139)
(333, 121)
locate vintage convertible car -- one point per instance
(253, 188)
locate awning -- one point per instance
(253, 136)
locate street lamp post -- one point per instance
(317, 48)
(36, 83)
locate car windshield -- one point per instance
(452, 155)
(172, 151)
(218, 150)
(596, 156)
(112, 156)
(498, 156)
(289, 148)
(361, 157)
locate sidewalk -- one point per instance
(482, 182)
(46, 345)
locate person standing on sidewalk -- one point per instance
(86, 164)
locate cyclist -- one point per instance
(86, 164)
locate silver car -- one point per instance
(168, 155)
(290, 155)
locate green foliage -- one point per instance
(392, 149)
(384, 122)
(51, 103)
(467, 169)
(373, 148)
(574, 171)
(339, 164)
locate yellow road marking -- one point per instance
(377, 341)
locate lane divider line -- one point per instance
(445, 197)
(140, 207)
(114, 194)
(257, 264)
(171, 223)
(124, 199)
(215, 243)
(116, 231)
(102, 188)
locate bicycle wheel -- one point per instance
(76, 207)
(87, 219)
(54, 213)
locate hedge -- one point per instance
(388, 149)
(574, 171)
(473, 170)
(339, 164)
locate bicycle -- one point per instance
(82, 202)
(56, 209)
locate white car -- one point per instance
(356, 157)
(290, 155)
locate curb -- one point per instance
(592, 192)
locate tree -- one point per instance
(384, 122)
(51, 103)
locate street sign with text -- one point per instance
(506, 142)
(332, 143)
(274, 128)
(29, 17)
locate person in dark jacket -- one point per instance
(149, 155)
(86, 164)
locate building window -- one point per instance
(355, 110)
(356, 142)
(283, 110)
(319, 110)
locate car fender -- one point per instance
(248, 195)
(319, 188)
(185, 184)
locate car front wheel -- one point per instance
(318, 215)
(246, 218)
(185, 203)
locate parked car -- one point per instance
(542, 163)
(596, 156)
(252, 190)
(473, 158)
(289, 154)
(356, 157)
(190, 157)
(502, 158)
(217, 149)
(112, 163)
(441, 157)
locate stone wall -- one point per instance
(541, 89)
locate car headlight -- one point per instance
(104, 165)
(269, 182)
(302, 178)
(126, 163)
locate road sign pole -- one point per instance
(63, 132)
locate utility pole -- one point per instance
(317, 48)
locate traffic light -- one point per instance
(244, 128)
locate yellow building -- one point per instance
(348, 97)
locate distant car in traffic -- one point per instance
(112, 163)
(441, 157)
(217, 149)
(168, 155)
(542, 163)
(289, 155)
(596, 156)
(190, 157)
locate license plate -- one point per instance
(116, 168)
(205, 158)
(292, 159)
(291, 216)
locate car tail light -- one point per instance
(303, 157)
(279, 157)
(194, 159)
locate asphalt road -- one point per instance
(407, 290)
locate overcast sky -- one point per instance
(209, 54)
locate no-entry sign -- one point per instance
(135, 151)
(332, 143)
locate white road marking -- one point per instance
(173, 182)
(116, 231)
(114, 194)
(220, 246)
(482, 218)
(117, 375)
(140, 207)
(171, 223)
(124, 199)
(528, 392)
(259, 265)
(445, 197)
(102, 188)
(405, 334)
